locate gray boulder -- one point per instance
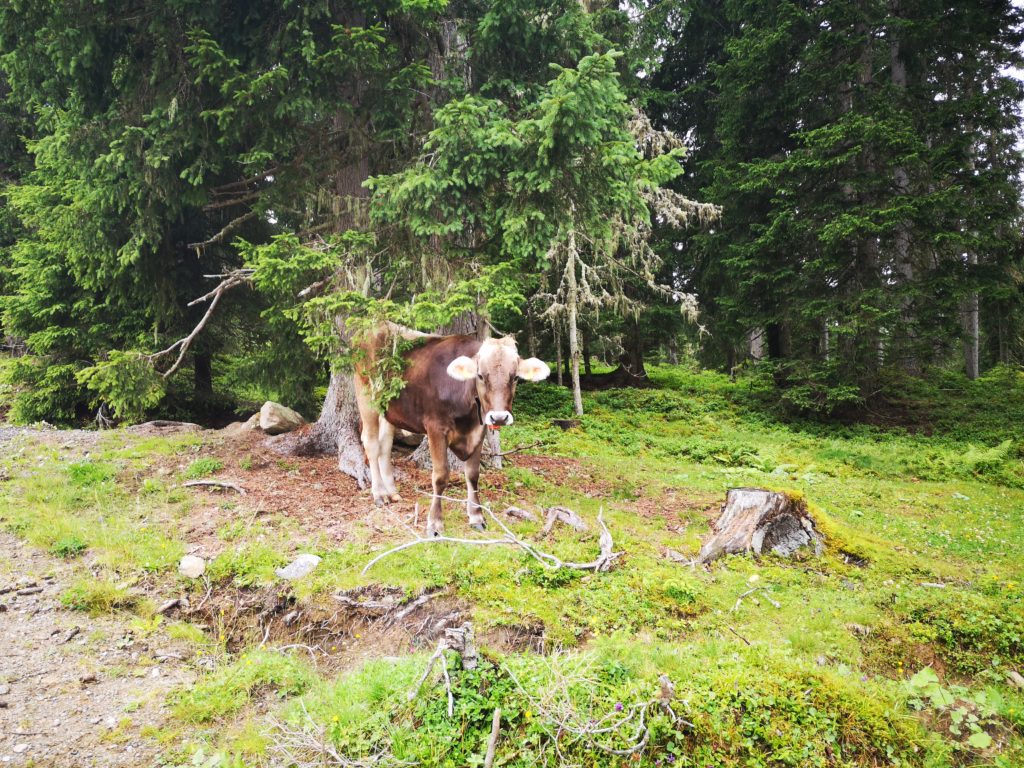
(276, 419)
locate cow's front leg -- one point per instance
(476, 518)
(438, 441)
(386, 438)
(370, 437)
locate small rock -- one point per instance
(276, 419)
(94, 721)
(192, 566)
(302, 565)
(4, 689)
(87, 677)
(169, 605)
(19, 748)
(155, 672)
(961, 497)
(238, 428)
(1016, 678)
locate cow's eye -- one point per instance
(480, 376)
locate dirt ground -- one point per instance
(77, 690)
(74, 689)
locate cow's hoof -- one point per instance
(435, 531)
(478, 526)
(395, 497)
(379, 501)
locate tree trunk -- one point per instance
(756, 520)
(558, 356)
(531, 333)
(904, 266)
(672, 350)
(971, 327)
(586, 353)
(202, 374)
(337, 429)
(572, 302)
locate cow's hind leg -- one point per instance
(438, 441)
(371, 442)
(385, 439)
(476, 518)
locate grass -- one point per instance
(826, 678)
(97, 596)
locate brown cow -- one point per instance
(455, 387)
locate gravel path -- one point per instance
(75, 690)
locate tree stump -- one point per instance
(756, 520)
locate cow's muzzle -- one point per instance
(498, 419)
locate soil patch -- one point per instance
(75, 690)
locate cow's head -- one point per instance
(495, 368)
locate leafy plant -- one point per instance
(969, 712)
(203, 467)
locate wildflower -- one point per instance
(670, 759)
(334, 719)
(527, 714)
(618, 706)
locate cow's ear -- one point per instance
(462, 368)
(533, 369)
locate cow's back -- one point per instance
(430, 394)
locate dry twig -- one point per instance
(216, 484)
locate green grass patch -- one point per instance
(203, 467)
(231, 686)
(97, 596)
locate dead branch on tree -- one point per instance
(230, 280)
(229, 227)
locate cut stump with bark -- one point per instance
(757, 520)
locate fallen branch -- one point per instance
(520, 513)
(310, 745)
(562, 515)
(602, 562)
(441, 648)
(588, 730)
(741, 637)
(448, 686)
(215, 484)
(492, 742)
